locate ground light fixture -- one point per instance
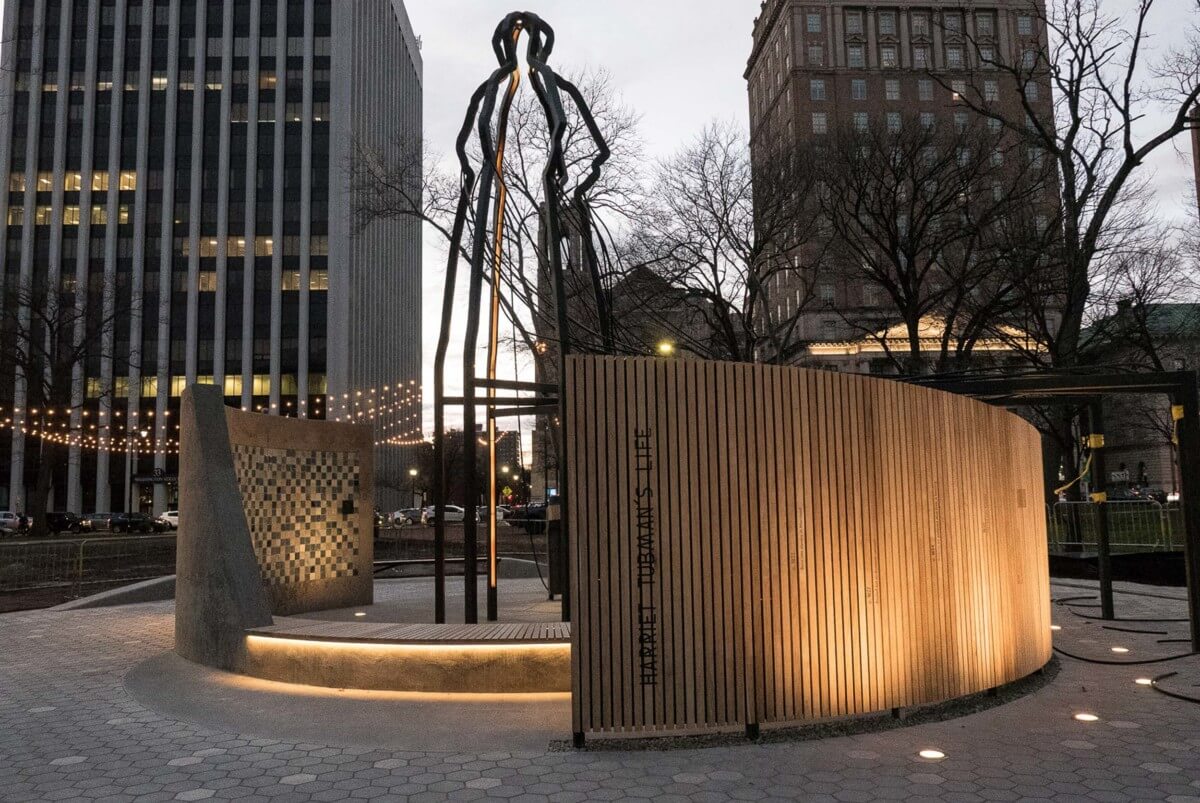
(929, 754)
(1056, 627)
(1144, 682)
(360, 613)
(1086, 717)
(1120, 649)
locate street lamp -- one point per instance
(666, 348)
(412, 473)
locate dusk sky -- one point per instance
(678, 63)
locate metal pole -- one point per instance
(1187, 415)
(1100, 498)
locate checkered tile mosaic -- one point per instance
(301, 509)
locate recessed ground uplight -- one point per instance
(360, 613)
(1120, 649)
(1087, 717)
(1056, 627)
(932, 755)
(1144, 682)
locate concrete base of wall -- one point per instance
(441, 667)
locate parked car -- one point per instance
(532, 518)
(454, 514)
(10, 523)
(133, 523)
(169, 519)
(409, 515)
(63, 522)
(97, 523)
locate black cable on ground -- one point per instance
(1177, 695)
(1061, 651)
(1126, 619)
(1132, 630)
(538, 566)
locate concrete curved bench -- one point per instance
(513, 658)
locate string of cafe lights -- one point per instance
(393, 410)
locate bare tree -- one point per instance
(1096, 129)
(724, 237)
(48, 342)
(931, 221)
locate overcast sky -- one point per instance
(678, 63)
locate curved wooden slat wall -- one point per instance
(757, 544)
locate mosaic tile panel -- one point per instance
(301, 510)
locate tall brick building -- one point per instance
(820, 66)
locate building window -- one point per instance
(994, 125)
(952, 22)
(887, 57)
(70, 215)
(825, 292)
(16, 215)
(887, 23)
(984, 24)
(893, 122)
(42, 215)
(892, 87)
(45, 182)
(816, 89)
(100, 181)
(1025, 25)
(291, 280)
(816, 55)
(997, 158)
(925, 89)
(958, 89)
(267, 79)
(820, 123)
(158, 82)
(860, 122)
(263, 246)
(16, 182)
(318, 246)
(813, 21)
(954, 57)
(987, 57)
(854, 23)
(858, 88)
(921, 57)
(991, 91)
(128, 179)
(920, 23)
(854, 56)
(1031, 92)
(927, 120)
(960, 121)
(1028, 58)
(318, 281)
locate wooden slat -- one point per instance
(825, 545)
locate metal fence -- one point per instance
(43, 572)
(1133, 526)
(79, 563)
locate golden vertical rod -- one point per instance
(494, 335)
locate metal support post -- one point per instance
(1188, 423)
(1100, 498)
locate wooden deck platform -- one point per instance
(294, 627)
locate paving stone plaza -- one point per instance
(72, 727)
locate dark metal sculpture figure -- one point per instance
(486, 263)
